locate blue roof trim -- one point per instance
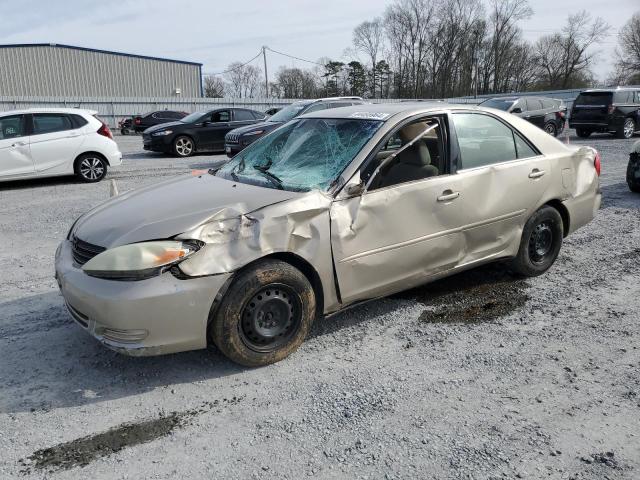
(19, 45)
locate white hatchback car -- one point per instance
(55, 141)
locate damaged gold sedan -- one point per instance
(336, 207)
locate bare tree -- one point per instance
(213, 87)
(243, 80)
(564, 59)
(368, 38)
(628, 52)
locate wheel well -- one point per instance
(184, 135)
(564, 213)
(97, 154)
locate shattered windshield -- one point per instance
(302, 155)
(288, 113)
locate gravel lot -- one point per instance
(478, 376)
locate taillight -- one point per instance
(596, 163)
(610, 109)
(137, 121)
(104, 131)
(560, 115)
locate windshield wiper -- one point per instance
(264, 170)
(239, 167)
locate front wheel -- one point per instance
(540, 243)
(551, 129)
(265, 315)
(583, 132)
(90, 168)
(183, 146)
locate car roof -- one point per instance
(384, 111)
(610, 90)
(49, 110)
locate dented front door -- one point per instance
(393, 238)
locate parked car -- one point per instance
(49, 142)
(546, 113)
(239, 138)
(336, 207)
(607, 110)
(126, 126)
(633, 168)
(198, 132)
(141, 122)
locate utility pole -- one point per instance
(266, 75)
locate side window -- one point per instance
(483, 140)
(221, 116)
(636, 96)
(50, 123)
(534, 104)
(11, 127)
(78, 121)
(523, 150)
(316, 107)
(242, 115)
(258, 115)
(173, 115)
(413, 152)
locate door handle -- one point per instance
(19, 144)
(535, 173)
(448, 195)
(73, 135)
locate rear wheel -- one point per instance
(627, 129)
(265, 315)
(633, 172)
(183, 146)
(540, 243)
(551, 129)
(90, 167)
(583, 132)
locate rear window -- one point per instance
(594, 98)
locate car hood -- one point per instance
(163, 126)
(268, 126)
(170, 208)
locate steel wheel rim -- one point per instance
(628, 128)
(91, 168)
(183, 146)
(271, 318)
(550, 129)
(541, 242)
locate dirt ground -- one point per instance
(479, 376)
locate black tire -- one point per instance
(633, 172)
(627, 130)
(90, 167)
(124, 131)
(583, 132)
(551, 128)
(183, 146)
(540, 243)
(265, 314)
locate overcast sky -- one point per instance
(216, 33)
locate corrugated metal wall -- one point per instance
(69, 72)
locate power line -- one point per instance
(237, 66)
(293, 56)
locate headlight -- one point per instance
(162, 133)
(138, 261)
(255, 132)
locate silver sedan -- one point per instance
(333, 208)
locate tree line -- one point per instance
(448, 48)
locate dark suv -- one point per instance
(200, 131)
(236, 140)
(546, 113)
(613, 110)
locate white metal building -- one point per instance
(54, 70)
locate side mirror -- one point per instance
(356, 189)
(516, 110)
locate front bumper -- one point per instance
(157, 144)
(149, 317)
(232, 149)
